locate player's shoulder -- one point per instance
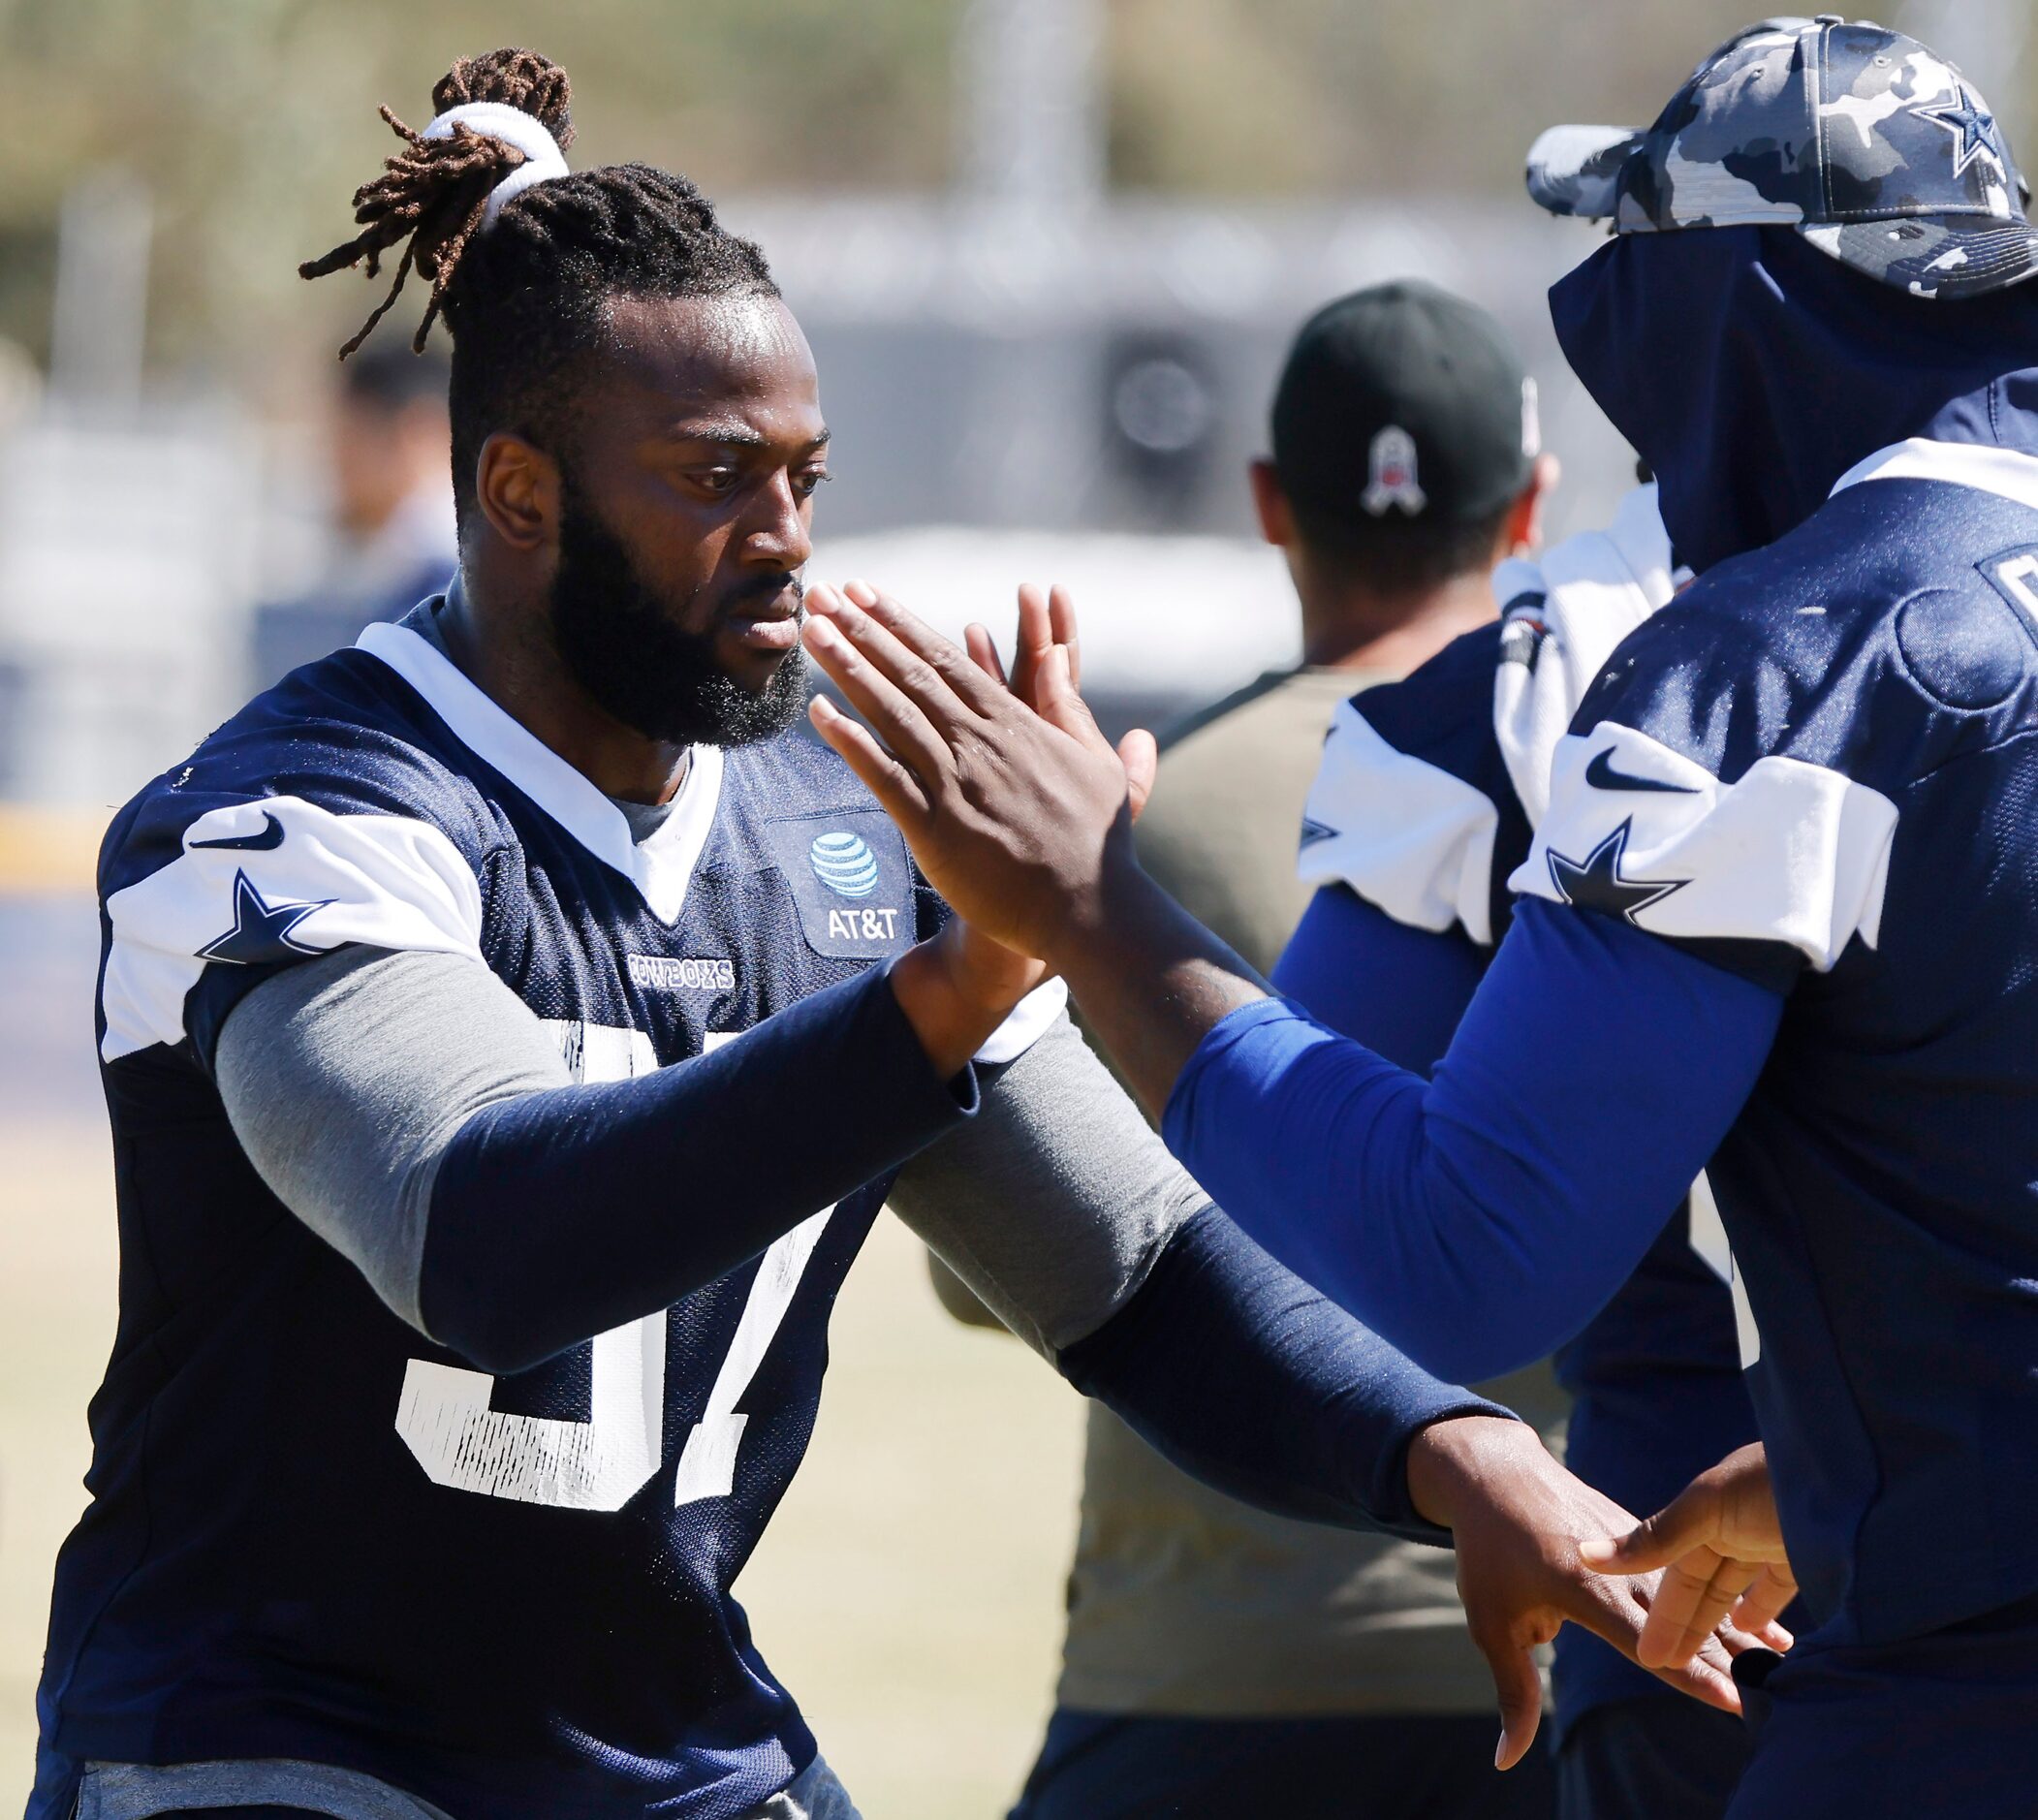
(1441, 713)
(342, 738)
(1881, 638)
(1930, 580)
(1736, 775)
(1412, 793)
(329, 810)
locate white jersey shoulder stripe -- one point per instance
(1594, 590)
(1405, 833)
(1791, 853)
(2007, 473)
(293, 877)
(1415, 839)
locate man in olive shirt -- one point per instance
(1220, 1662)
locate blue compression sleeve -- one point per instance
(1253, 1382)
(1398, 991)
(561, 1215)
(1480, 1221)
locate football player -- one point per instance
(1776, 924)
(1426, 803)
(511, 1028)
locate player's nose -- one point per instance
(775, 532)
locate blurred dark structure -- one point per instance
(391, 510)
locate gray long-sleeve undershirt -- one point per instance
(345, 1080)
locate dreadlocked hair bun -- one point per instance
(433, 195)
(526, 295)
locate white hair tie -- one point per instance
(543, 159)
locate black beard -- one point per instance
(614, 637)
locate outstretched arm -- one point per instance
(1060, 1207)
(1480, 1218)
(1477, 1221)
(1401, 990)
(1064, 1213)
(416, 1113)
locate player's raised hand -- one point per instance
(1518, 1521)
(1719, 1549)
(1047, 622)
(1047, 618)
(1016, 816)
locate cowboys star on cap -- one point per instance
(261, 932)
(1971, 124)
(1595, 883)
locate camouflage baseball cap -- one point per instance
(1878, 152)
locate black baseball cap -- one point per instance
(1403, 404)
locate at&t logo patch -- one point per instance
(844, 862)
(850, 878)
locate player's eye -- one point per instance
(721, 482)
(809, 481)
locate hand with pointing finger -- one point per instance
(1719, 1547)
(1518, 1521)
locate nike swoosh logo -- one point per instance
(1601, 776)
(272, 836)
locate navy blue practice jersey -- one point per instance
(1817, 769)
(1424, 807)
(313, 1534)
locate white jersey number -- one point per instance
(442, 1414)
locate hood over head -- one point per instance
(1750, 372)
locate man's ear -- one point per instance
(517, 485)
(1269, 499)
(1523, 532)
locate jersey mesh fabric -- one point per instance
(291, 1551)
